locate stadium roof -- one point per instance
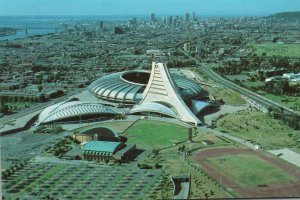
(114, 87)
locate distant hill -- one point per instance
(288, 16)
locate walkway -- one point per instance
(238, 140)
(287, 155)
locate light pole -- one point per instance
(221, 165)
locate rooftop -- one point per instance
(102, 146)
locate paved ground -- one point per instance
(25, 145)
(80, 181)
(290, 189)
(288, 155)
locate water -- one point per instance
(40, 25)
(35, 25)
(30, 32)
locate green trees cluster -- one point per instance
(181, 63)
(256, 62)
(53, 128)
(61, 147)
(13, 168)
(290, 119)
(3, 107)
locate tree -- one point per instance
(40, 88)
(3, 108)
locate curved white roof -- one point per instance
(113, 87)
(153, 107)
(72, 109)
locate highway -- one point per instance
(10, 118)
(251, 95)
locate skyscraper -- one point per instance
(152, 17)
(169, 20)
(187, 17)
(193, 16)
(101, 25)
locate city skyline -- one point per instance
(145, 7)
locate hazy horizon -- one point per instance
(145, 7)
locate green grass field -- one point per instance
(259, 127)
(289, 50)
(155, 134)
(249, 170)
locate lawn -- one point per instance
(251, 84)
(155, 134)
(259, 127)
(271, 49)
(229, 96)
(249, 170)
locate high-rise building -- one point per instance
(193, 16)
(119, 30)
(152, 17)
(101, 25)
(187, 46)
(169, 20)
(187, 17)
(134, 20)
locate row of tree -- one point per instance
(22, 98)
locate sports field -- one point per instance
(155, 134)
(249, 170)
(248, 173)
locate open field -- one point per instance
(288, 50)
(290, 102)
(248, 173)
(155, 134)
(249, 170)
(259, 127)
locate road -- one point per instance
(251, 95)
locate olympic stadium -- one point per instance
(160, 92)
(128, 86)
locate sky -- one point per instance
(145, 7)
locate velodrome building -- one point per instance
(160, 92)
